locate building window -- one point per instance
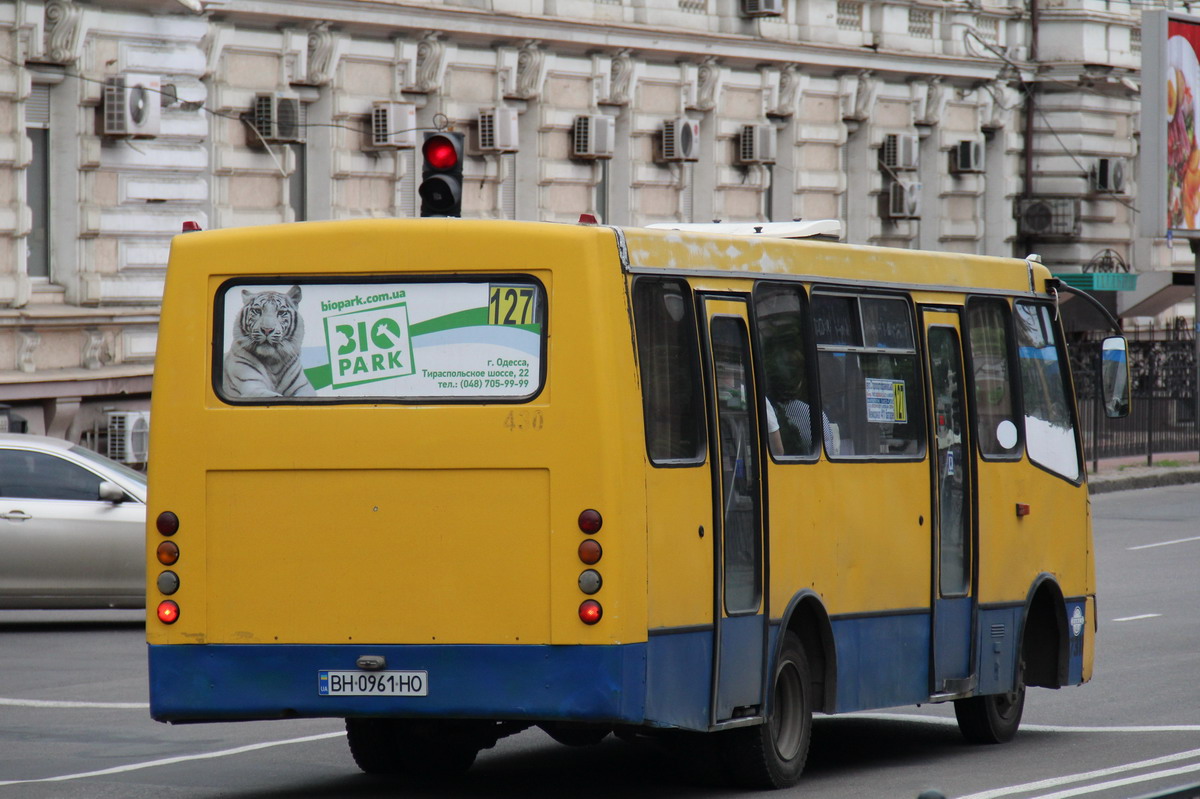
(37, 181)
(298, 182)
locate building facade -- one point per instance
(938, 125)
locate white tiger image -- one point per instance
(264, 358)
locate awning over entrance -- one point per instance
(1156, 292)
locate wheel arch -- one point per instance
(807, 618)
(1043, 635)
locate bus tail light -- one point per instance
(168, 612)
(167, 523)
(590, 611)
(168, 553)
(590, 521)
(590, 551)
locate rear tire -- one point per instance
(404, 748)
(772, 755)
(992, 719)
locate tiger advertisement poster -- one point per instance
(452, 340)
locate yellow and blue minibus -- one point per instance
(450, 479)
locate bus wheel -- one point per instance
(991, 719)
(772, 755)
(399, 747)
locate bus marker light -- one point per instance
(590, 551)
(168, 553)
(1022, 509)
(590, 581)
(590, 611)
(590, 521)
(167, 523)
(168, 583)
(168, 612)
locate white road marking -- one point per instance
(1101, 786)
(169, 761)
(1164, 543)
(950, 721)
(72, 705)
(1067, 779)
(1139, 618)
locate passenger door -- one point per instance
(954, 588)
(740, 619)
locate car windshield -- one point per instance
(97, 458)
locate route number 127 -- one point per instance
(510, 305)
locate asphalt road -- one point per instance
(73, 721)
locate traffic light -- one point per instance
(441, 178)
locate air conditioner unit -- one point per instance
(756, 144)
(129, 436)
(498, 129)
(681, 140)
(393, 125)
(762, 8)
(132, 105)
(967, 156)
(1048, 216)
(276, 118)
(593, 136)
(1108, 175)
(904, 200)
(900, 151)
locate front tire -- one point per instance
(772, 755)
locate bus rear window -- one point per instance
(317, 340)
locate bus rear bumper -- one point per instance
(227, 682)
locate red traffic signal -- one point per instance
(441, 176)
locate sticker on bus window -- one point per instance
(452, 340)
(886, 401)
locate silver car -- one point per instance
(72, 527)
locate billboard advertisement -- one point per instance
(1170, 130)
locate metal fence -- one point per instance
(1162, 367)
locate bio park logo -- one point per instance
(366, 345)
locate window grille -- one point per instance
(920, 23)
(988, 29)
(849, 15)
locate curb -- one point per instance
(1144, 477)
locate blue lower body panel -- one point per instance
(217, 682)
(882, 661)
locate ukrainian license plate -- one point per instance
(373, 683)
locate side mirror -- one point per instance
(1114, 377)
(111, 492)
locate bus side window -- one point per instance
(669, 362)
(1049, 432)
(996, 427)
(870, 389)
(780, 312)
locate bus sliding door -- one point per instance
(954, 593)
(740, 621)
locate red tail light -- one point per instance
(590, 521)
(590, 611)
(167, 523)
(168, 612)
